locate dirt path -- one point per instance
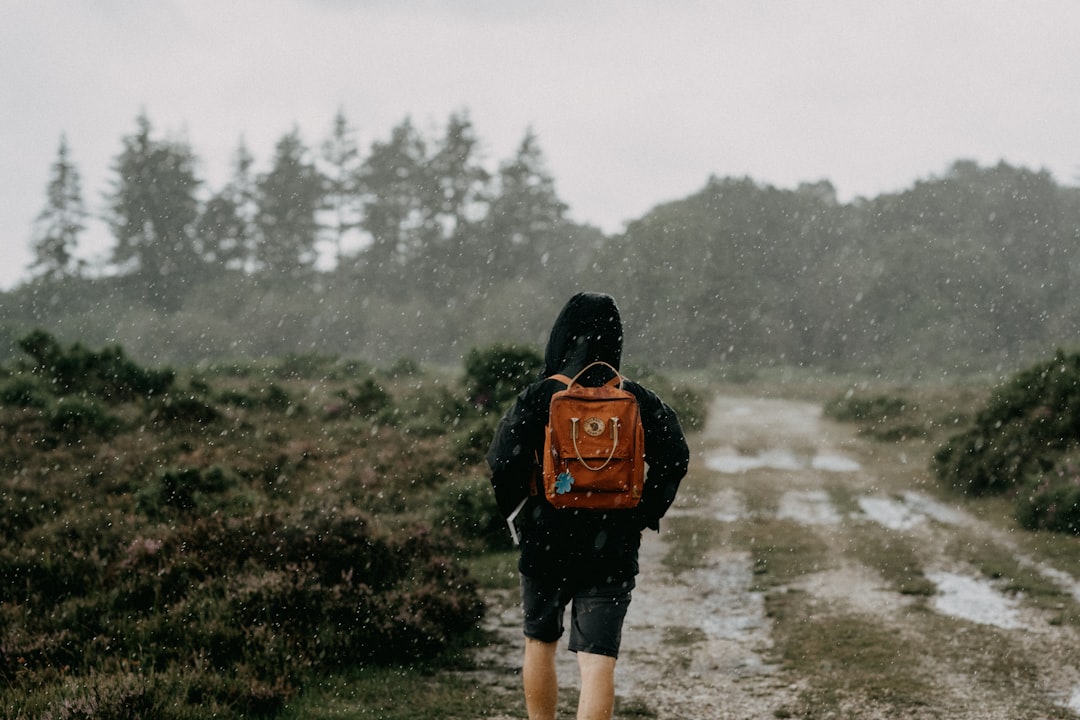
(872, 609)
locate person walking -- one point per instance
(585, 559)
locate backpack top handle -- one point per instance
(616, 381)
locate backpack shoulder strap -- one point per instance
(561, 378)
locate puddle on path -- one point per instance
(1074, 701)
(890, 513)
(974, 599)
(708, 621)
(934, 509)
(834, 463)
(729, 505)
(910, 510)
(729, 461)
(1063, 579)
(809, 507)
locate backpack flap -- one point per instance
(594, 448)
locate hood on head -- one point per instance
(588, 329)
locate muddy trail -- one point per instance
(807, 572)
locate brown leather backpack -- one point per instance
(594, 451)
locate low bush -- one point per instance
(75, 418)
(166, 556)
(183, 489)
(428, 410)
(25, 392)
(1028, 424)
(184, 409)
(366, 398)
(23, 504)
(496, 374)
(138, 692)
(688, 402)
(467, 506)
(471, 438)
(851, 407)
(107, 374)
(1052, 499)
(888, 418)
(279, 594)
(270, 396)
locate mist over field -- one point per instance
(416, 247)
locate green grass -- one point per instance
(782, 550)
(891, 555)
(1017, 578)
(495, 570)
(690, 539)
(400, 693)
(845, 659)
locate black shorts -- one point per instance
(596, 615)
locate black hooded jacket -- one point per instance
(586, 544)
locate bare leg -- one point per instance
(597, 700)
(538, 675)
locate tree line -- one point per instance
(398, 214)
(973, 269)
(432, 252)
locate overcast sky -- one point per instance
(634, 102)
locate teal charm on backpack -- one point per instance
(563, 482)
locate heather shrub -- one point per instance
(366, 398)
(120, 697)
(232, 369)
(467, 506)
(270, 396)
(23, 504)
(183, 489)
(172, 555)
(472, 438)
(428, 411)
(183, 409)
(279, 593)
(137, 692)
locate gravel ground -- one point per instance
(698, 642)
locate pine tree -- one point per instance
(226, 226)
(525, 214)
(454, 196)
(153, 209)
(58, 226)
(342, 157)
(290, 196)
(457, 179)
(392, 178)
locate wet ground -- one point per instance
(698, 641)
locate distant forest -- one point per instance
(415, 249)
